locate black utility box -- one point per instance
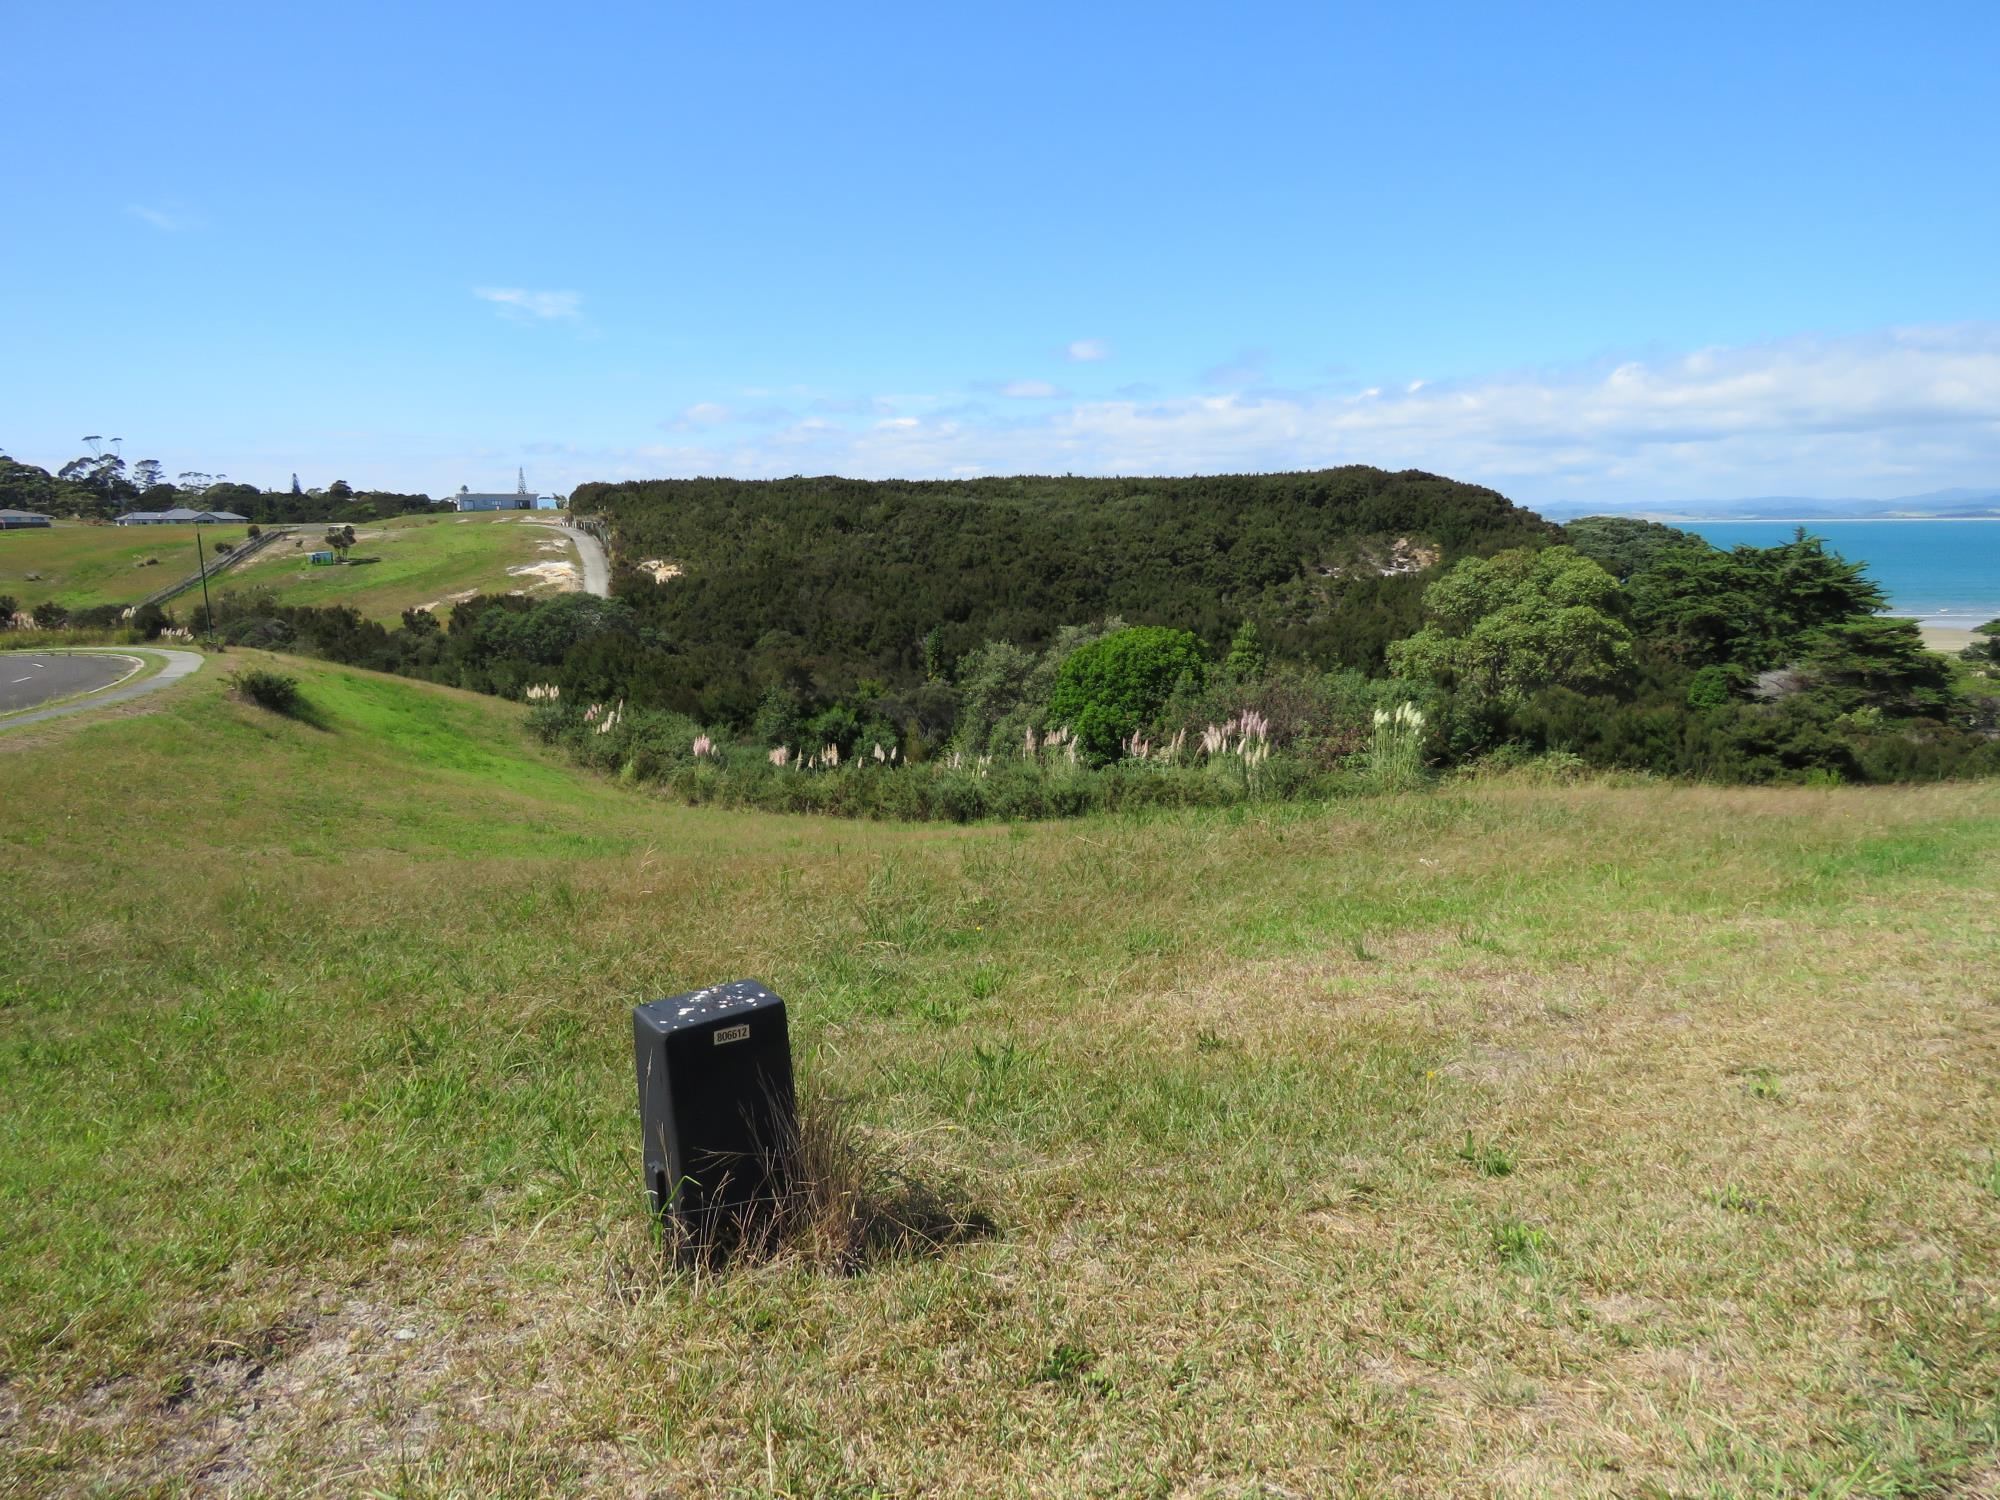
(715, 1103)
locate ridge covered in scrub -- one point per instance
(887, 579)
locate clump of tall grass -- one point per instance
(1396, 758)
(843, 1203)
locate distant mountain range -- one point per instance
(1944, 505)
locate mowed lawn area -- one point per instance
(1505, 1139)
(424, 561)
(81, 566)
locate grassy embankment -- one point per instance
(1505, 1139)
(81, 566)
(432, 561)
(428, 560)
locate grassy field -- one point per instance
(431, 561)
(427, 560)
(1503, 1140)
(83, 565)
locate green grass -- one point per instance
(81, 565)
(1508, 1139)
(425, 560)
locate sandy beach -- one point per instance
(1951, 638)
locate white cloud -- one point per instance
(1088, 351)
(518, 302)
(1248, 368)
(1893, 412)
(168, 221)
(701, 414)
(1029, 390)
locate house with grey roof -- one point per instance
(181, 516)
(15, 520)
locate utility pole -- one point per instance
(206, 608)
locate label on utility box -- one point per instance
(731, 1034)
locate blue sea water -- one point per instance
(1941, 572)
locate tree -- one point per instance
(1108, 690)
(1750, 607)
(146, 474)
(8, 604)
(340, 490)
(1245, 661)
(339, 539)
(1517, 622)
(295, 486)
(51, 615)
(1875, 663)
(1625, 545)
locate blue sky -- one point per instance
(1599, 253)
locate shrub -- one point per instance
(1110, 689)
(272, 690)
(50, 615)
(1711, 687)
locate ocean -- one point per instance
(1940, 572)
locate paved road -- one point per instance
(28, 678)
(52, 674)
(596, 567)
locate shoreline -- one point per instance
(1686, 520)
(1946, 638)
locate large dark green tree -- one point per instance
(1749, 607)
(1506, 626)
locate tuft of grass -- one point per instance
(1520, 1244)
(1736, 1200)
(846, 1204)
(1074, 1366)
(1488, 1158)
(1763, 1084)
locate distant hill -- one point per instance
(1953, 504)
(845, 579)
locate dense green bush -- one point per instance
(1107, 691)
(272, 690)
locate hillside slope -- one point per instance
(1538, 1140)
(423, 562)
(80, 565)
(430, 561)
(854, 576)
